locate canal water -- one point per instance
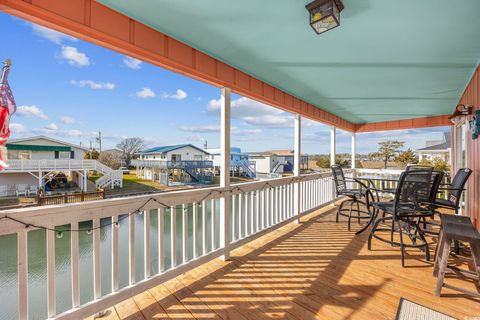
(37, 264)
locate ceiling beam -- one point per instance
(93, 22)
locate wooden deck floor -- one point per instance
(313, 270)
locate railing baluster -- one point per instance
(161, 239)
(195, 230)
(214, 223)
(51, 300)
(252, 212)
(131, 248)
(97, 293)
(264, 209)
(257, 205)
(276, 204)
(74, 265)
(173, 235)
(240, 215)
(204, 227)
(234, 217)
(115, 227)
(246, 214)
(22, 266)
(185, 233)
(272, 203)
(146, 245)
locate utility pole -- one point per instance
(99, 140)
(91, 150)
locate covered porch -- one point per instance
(263, 249)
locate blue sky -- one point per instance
(70, 89)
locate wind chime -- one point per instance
(7, 109)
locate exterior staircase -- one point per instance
(110, 177)
(247, 167)
(280, 164)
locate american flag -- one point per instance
(7, 109)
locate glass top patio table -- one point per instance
(379, 178)
(383, 180)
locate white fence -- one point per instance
(256, 209)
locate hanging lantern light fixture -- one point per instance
(460, 115)
(324, 14)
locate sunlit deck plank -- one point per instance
(314, 270)
(149, 307)
(128, 309)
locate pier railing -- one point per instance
(255, 209)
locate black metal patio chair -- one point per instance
(354, 196)
(414, 199)
(454, 191)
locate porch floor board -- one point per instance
(313, 270)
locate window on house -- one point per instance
(64, 155)
(197, 157)
(18, 155)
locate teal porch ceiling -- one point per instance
(389, 59)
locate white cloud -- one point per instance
(196, 138)
(178, 95)
(17, 128)
(74, 57)
(51, 35)
(254, 113)
(51, 126)
(200, 129)
(67, 120)
(145, 93)
(31, 111)
(73, 133)
(132, 63)
(245, 132)
(93, 85)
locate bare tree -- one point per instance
(110, 159)
(129, 147)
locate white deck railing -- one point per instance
(56, 164)
(257, 208)
(110, 176)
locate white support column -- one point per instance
(225, 201)
(333, 151)
(40, 179)
(296, 165)
(333, 144)
(354, 150)
(85, 180)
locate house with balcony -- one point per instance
(240, 163)
(277, 161)
(35, 161)
(179, 164)
(276, 248)
(436, 149)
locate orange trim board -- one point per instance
(93, 22)
(425, 122)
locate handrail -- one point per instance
(265, 205)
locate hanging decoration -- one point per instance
(7, 109)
